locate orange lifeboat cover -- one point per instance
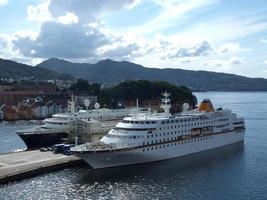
(206, 106)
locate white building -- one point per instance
(40, 111)
(89, 130)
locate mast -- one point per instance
(166, 103)
(71, 105)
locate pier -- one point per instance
(18, 165)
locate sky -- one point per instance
(214, 35)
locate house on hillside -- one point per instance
(40, 110)
(11, 113)
(25, 112)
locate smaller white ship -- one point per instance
(148, 137)
(57, 128)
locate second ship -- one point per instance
(57, 128)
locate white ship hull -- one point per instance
(160, 151)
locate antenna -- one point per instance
(71, 104)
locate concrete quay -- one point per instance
(19, 165)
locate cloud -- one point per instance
(64, 41)
(89, 10)
(200, 49)
(265, 62)
(69, 18)
(71, 29)
(3, 2)
(119, 51)
(264, 41)
(39, 12)
(231, 48)
(223, 65)
(171, 13)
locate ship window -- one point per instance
(162, 122)
(172, 121)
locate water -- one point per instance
(235, 172)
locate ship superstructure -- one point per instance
(148, 137)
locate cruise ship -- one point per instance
(56, 129)
(149, 137)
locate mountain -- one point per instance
(11, 69)
(112, 72)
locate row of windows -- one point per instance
(135, 129)
(223, 125)
(124, 136)
(169, 133)
(139, 122)
(58, 123)
(178, 143)
(236, 123)
(185, 125)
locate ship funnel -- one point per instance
(206, 106)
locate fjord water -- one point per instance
(235, 172)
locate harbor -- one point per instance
(18, 165)
(203, 176)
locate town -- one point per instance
(27, 100)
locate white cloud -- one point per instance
(222, 65)
(265, 62)
(264, 41)
(39, 12)
(231, 48)
(3, 2)
(223, 29)
(63, 41)
(171, 12)
(72, 30)
(86, 11)
(69, 18)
